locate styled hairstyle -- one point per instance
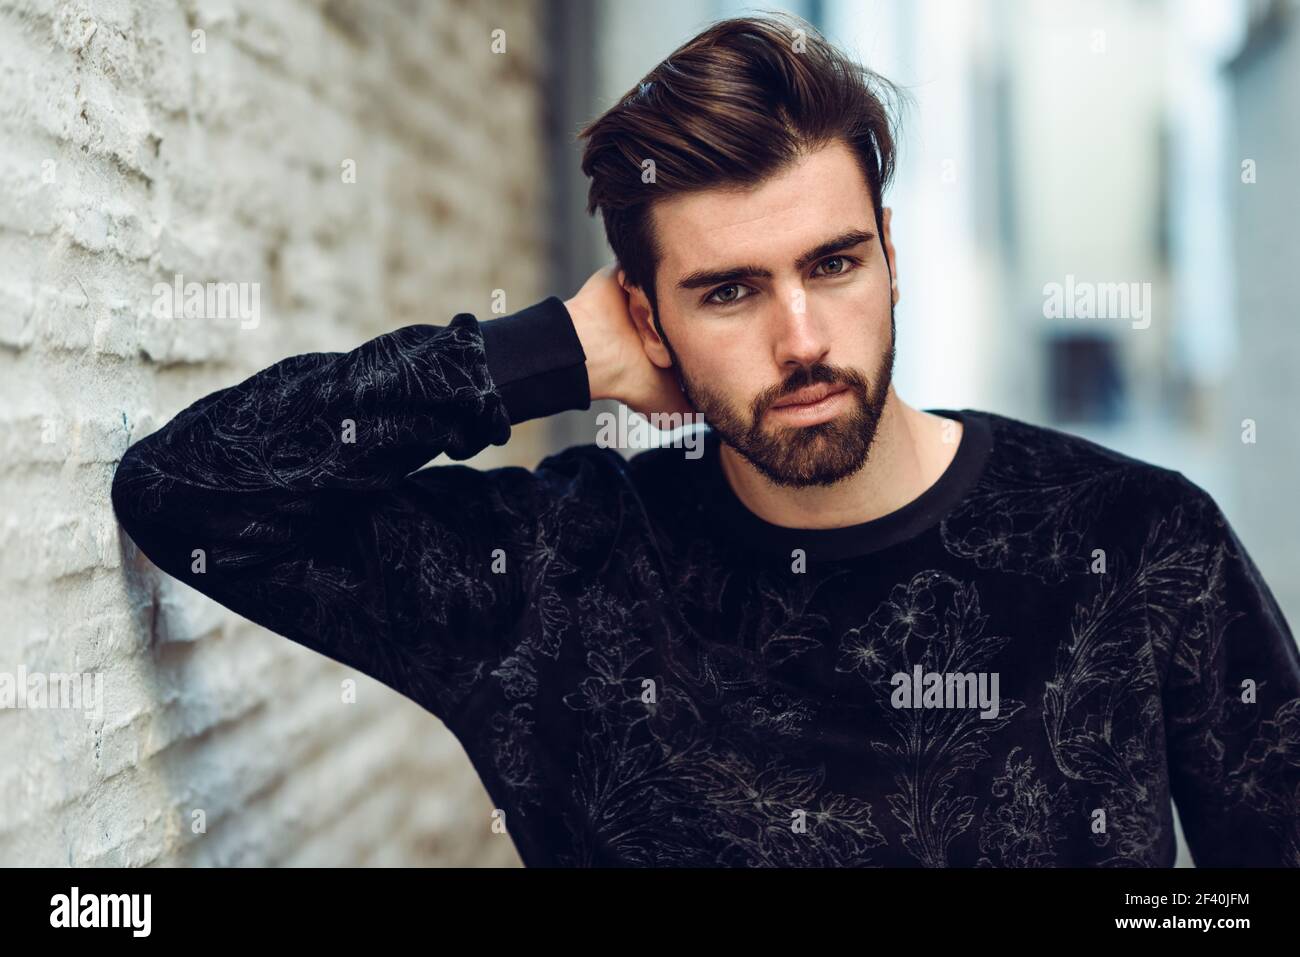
(729, 108)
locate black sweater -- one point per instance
(644, 672)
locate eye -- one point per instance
(718, 297)
(848, 264)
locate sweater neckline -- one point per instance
(848, 541)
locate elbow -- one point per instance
(128, 491)
(140, 508)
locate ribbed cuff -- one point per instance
(536, 361)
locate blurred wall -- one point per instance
(133, 149)
(1262, 388)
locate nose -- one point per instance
(800, 339)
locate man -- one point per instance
(851, 633)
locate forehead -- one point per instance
(819, 195)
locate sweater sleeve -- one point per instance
(1232, 698)
(290, 498)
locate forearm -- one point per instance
(358, 420)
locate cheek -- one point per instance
(863, 314)
(728, 365)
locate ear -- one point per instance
(888, 241)
(638, 307)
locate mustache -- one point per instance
(820, 374)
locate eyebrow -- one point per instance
(713, 277)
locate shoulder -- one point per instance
(1020, 441)
(1049, 457)
(586, 465)
(596, 469)
(1048, 501)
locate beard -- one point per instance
(800, 456)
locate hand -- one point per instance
(617, 364)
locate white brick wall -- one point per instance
(126, 157)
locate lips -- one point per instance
(809, 395)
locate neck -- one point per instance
(910, 452)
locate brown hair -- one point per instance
(730, 107)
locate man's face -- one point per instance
(768, 293)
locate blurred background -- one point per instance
(372, 165)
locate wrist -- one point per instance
(602, 368)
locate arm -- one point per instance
(1232, 698)
(289, 499)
